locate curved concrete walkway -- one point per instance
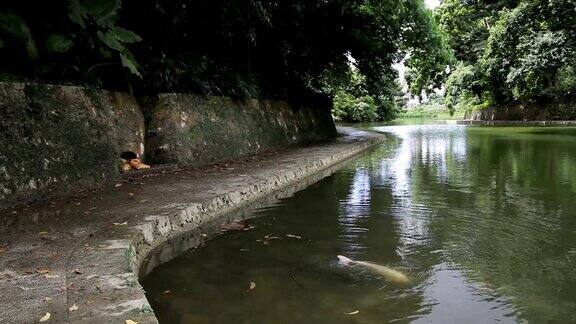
(80, 259)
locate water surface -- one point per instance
(483, 219)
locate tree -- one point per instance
(511, 51)
(246, 48)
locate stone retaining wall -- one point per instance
(526, 112)
(193, 130)
(59, 140)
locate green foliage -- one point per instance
(511, 51)
(295, 49)
(350, 108)
(13, 27)
(352, 102)
(103, 16)
(58, 43)
(433, 108)
(429, 56)
(66, 41)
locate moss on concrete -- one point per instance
(193, 130)
(58, 140)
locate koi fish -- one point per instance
(389, 274)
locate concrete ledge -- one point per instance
(517, 122)
(89, 253)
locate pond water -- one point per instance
(482, 219)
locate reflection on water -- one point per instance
(483, 219)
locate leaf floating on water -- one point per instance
(252, 285)
(120, 224)
(45, 317)
(293, 236)
(354, 312)
(129, 321)
(73, 308)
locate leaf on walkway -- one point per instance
(73, 308)
(234, 226)
(45, 318)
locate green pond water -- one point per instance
(482, 219)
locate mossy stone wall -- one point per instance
(528, 112)
(193, 130)
(58, 140)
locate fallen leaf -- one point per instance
(45, 317)
(118, 185)
(3, 249)
(120, 224)
(42, 233)
(42, 270)
(49, 276)
(252, 285)
(167, 292)
(293, 236)
(78, 271)
(129, 321)
(73, 308)
(234, 226)
(354, 312)
(47, 299)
